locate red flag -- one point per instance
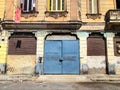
(17, 15)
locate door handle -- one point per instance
(60, 60)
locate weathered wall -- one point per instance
(72, 8)
(3, 54)
(83, 51)
(40, 50)
(96, 64)
(21, 64)
(3, 51)
(9, 9)
(105, 5)
(95, 22)
(117, 65)
(113, 61)
(110, 53)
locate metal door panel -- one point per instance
(51, 57)
(61, 57)
(70, 54)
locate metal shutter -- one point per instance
(96, 46)
(22, 44)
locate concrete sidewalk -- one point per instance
(79, 78)
(17, 78)
(62, 78)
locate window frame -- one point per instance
(93, 8)
(117, 4)
(51, 6)
(100, 48)
(29, 8)
(116, 41)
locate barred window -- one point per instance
(56, 5)
(28, 6)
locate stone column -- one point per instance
(83, 51)
(40, 51)
(110, 53)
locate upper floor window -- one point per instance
(93, 6)
(118, 4)
(28, 6)
(56, 5)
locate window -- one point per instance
(28, 6)
(118, 4)
(96, 45)
(93, 7)
(56, 5)
(22, 43)
(117, 46)
(18, 45)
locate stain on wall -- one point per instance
(96, 64)
(21, 64)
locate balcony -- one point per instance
(42, 25)
(112, 20)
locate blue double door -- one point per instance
(61, 57)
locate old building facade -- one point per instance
(60, 36)
(3, 38)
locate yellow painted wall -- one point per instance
(41, 8)
(21, 64)
(9, 9)
(105, 5)
(2, 7)
(3, 52)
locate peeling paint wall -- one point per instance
(3, 51)
(3, 54)
(117, 65)
(96, 64)
(21, 64)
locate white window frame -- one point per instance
(32, 5)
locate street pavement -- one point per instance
(60, 82)
(33, 85)
(62, 78)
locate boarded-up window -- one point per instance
(96, 46)
(22, 44)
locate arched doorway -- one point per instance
(21, 53)
(96, 54)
